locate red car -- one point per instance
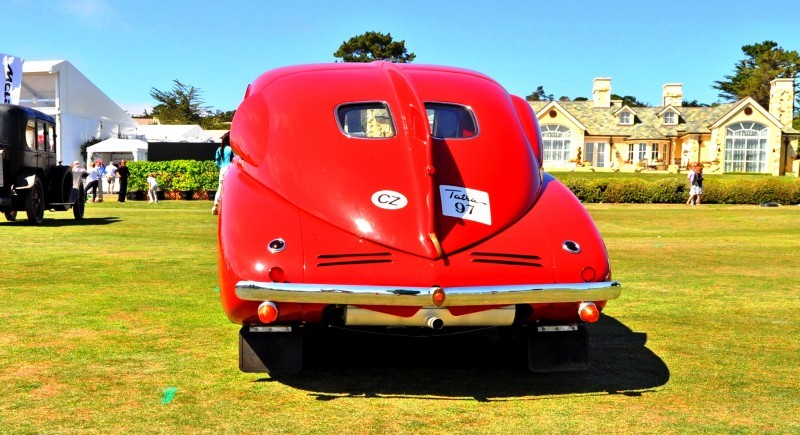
(407, 196)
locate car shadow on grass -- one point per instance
(93, 221)
(57, 223)
(476, 366)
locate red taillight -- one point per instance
(267, 312)
(276, 274)
(438, 297)
(588, 312)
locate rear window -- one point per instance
(451, 121)
(365, 120)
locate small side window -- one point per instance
(450, 121)
(51, 138)
(365, 120)
(41, 136)
(30, 134)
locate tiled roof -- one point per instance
(647, 124)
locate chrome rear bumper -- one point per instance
(423, 296)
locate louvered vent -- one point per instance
(324, 260)
(506, 259)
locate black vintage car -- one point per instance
(31, 179)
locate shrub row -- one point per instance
(175, 175)
(716, 190)
(203, 175)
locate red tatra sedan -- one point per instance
(377, 195)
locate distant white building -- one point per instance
(82, 111)
(177, 133)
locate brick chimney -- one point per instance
(601, 92)
(781, 99)
(672, 95)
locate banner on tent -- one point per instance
(12, 72)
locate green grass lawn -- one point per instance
(113, 324)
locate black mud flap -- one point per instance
(270, 349)
(558, 348)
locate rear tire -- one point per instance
(34, 202)
(80, 204)
(276, 353)
(10, 215)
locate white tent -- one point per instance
(117, 149)
(82, 111)
(170, 133)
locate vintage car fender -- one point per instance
(26, 177)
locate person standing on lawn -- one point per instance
(697, 185)
(124, 173)
(690, 177)
(101, 175)
(151, 191)
(111, 177)
(223, 159)
(93, 180)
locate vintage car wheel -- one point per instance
(34, 202)
(80, 204)
(10, 215)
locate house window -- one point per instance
(670, 118)
(642, 154)
(637, 152)
(746, 147)
(626, 118)
(596, 154)
(654, 154)
(556, 145)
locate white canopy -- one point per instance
(137, 148)
(81, 109)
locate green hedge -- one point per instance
(175, 175)
(716, 190)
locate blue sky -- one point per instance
(128, 47)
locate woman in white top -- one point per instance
(93, 181)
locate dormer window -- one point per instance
(669, 115)
(625, 118)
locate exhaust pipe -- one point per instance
(434, 323)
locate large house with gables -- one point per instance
(605, 135)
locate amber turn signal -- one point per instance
(588, 312)
(267, 312)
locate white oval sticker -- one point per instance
(389, 199)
